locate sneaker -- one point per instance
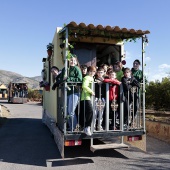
(100, 128)
(87, 131)
(125, 127)
(114, 128)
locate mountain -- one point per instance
(37, 78)
(8, 76)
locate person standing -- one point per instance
(100, 96)
(86, 107)
(117, 67)
(84, 70)
(113, 96)
(74, 75)
(129, 84)
(136, 72)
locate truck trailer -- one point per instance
(93, 45)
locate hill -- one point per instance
(8, 76)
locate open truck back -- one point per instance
(92, 45)
(17, 91)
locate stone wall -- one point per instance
(158, 130)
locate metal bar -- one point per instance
(133, 113)
(93, 104)
(143, 70)
(121, 108)
(104, 134)
(137, 111)
(72, 116)
(107, 108)
(91, 141)
(62, 30)
(84, 114)
(114, 121)
(78, 119)
(65, 84)
(100, 111)
(128, 107)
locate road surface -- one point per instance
(25, 143)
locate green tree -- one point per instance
(34, 94)
(158, 94)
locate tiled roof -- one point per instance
(114, 31)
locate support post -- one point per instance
(143, 87)
(65, 84)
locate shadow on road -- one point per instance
(75, 155)
(28, 141)
(30, 103)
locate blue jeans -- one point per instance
(72, 101)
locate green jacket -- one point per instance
(119, 75)
(137, 74)
(87, 88)
(74, 75)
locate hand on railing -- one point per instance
(93, 94)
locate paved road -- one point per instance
(25, 143)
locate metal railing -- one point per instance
(114, 115)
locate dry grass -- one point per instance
(161, 116)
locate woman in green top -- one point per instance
(74, 75)
(86, 114)
(136, 72)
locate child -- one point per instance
(113, 94)
(83, 70)
(55, 72)
(105, 67)
(100, 94)
(86, 105)
(129, 82)
(117, 67)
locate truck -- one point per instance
(92, 45)
(17, 91)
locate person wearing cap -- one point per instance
(86, 105)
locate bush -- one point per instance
(158, 94)
(34, 95)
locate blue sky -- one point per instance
(26, 27)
